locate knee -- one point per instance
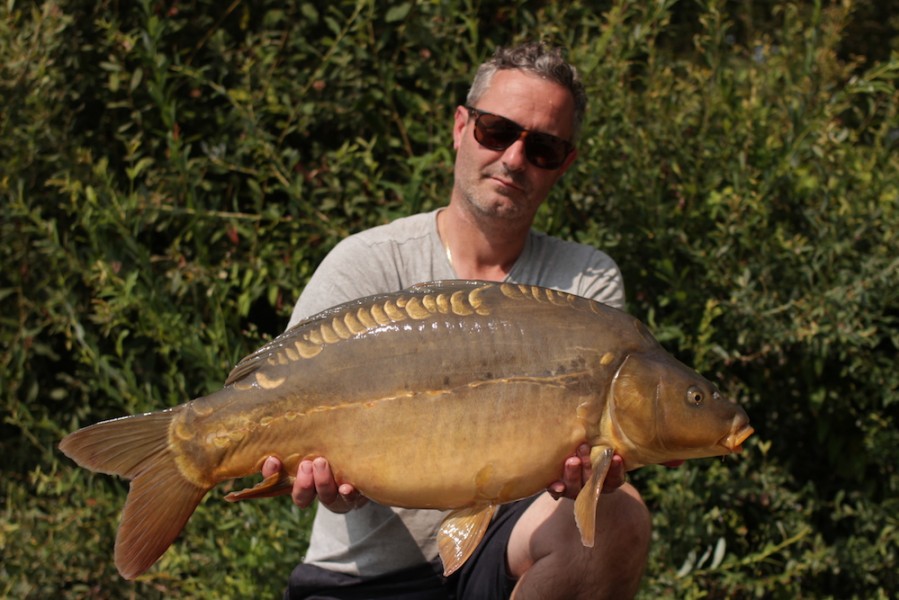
(625, 523)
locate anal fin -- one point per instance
(460, 533)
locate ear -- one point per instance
(568, 162)
(460, 121)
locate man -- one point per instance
(513, 141)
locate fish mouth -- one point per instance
(733, 441)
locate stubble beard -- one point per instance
(492, 206)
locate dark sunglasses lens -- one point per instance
(495, 132)
(545, 151)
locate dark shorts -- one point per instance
(483, 576)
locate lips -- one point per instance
(507, 184)
(734, 440)
(508, 180)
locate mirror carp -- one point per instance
(457, 395)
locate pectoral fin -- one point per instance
(588, 498)
(278, 484)
(460, 534)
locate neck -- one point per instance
(476, 249)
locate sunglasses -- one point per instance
(498, 133)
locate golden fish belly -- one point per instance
(493, 442)
(484, 441)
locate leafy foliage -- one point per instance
(171, 174)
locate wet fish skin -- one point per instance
(455, 395)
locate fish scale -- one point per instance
(457, 396)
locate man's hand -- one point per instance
(315, 479)
(577, 470)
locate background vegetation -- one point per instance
(172, 172)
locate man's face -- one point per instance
(502, 183)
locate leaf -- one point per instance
(688, 565)
(398, 12)
(135, 171)
(720, 548)
(309, 11)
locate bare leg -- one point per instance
(546, 555)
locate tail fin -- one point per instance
(160, 501)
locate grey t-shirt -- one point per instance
(374, 539)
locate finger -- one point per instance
(303, 493)
(337, 498)
(556, 490)
(616, 476)
(325, 485)
(348, 492)
(583, 452)
(271, 466)
(572, 474)
(571, 482)
(575, 471)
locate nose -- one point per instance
(514, 158)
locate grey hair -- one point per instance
(542, 60)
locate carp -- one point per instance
(457, 395)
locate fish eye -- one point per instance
(695, 396)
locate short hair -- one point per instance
(542, 60)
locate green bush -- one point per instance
(171, 174)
